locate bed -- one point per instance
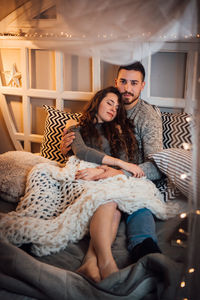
(24, 275)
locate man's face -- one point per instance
(130, 85)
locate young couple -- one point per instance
(106, 136)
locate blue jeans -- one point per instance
(140, 225)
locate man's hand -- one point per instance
(67, 139)
(101, 172)
(108, 172)
(89, 173)
(135, 170)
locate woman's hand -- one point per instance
(89, 173)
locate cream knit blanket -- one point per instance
(57, 209)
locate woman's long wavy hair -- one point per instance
(119, 132)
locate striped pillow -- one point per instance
(55, 123)
(176, 165)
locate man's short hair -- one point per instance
(136, 66)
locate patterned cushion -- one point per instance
(55, 123)
(168, 190)
(176, 130)
(176, 165)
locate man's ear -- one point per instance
(115, 82)
(143, 84)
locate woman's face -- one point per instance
(107, 110)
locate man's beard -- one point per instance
(128, 102)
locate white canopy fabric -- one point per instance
(118, 32)
(123, 31)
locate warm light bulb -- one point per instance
(183, 215)
(188, 119)
(186, 146)
(183, 176)
(183, 284)
(191, 270)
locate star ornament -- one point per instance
(14, 77)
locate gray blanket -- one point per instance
(155, 276)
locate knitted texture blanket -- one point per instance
(56, 209)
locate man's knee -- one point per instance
(139, 214)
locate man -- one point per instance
(148, 131)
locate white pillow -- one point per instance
(176, 165)
(14, 167)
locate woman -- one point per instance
(104, 136)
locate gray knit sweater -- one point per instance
(148, 132)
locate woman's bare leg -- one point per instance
(103, 229)
(90, 267)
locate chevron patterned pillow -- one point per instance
(55, 123)
(176, 130)
(176, 165)
(168, 190)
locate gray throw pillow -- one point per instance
(14, 168)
